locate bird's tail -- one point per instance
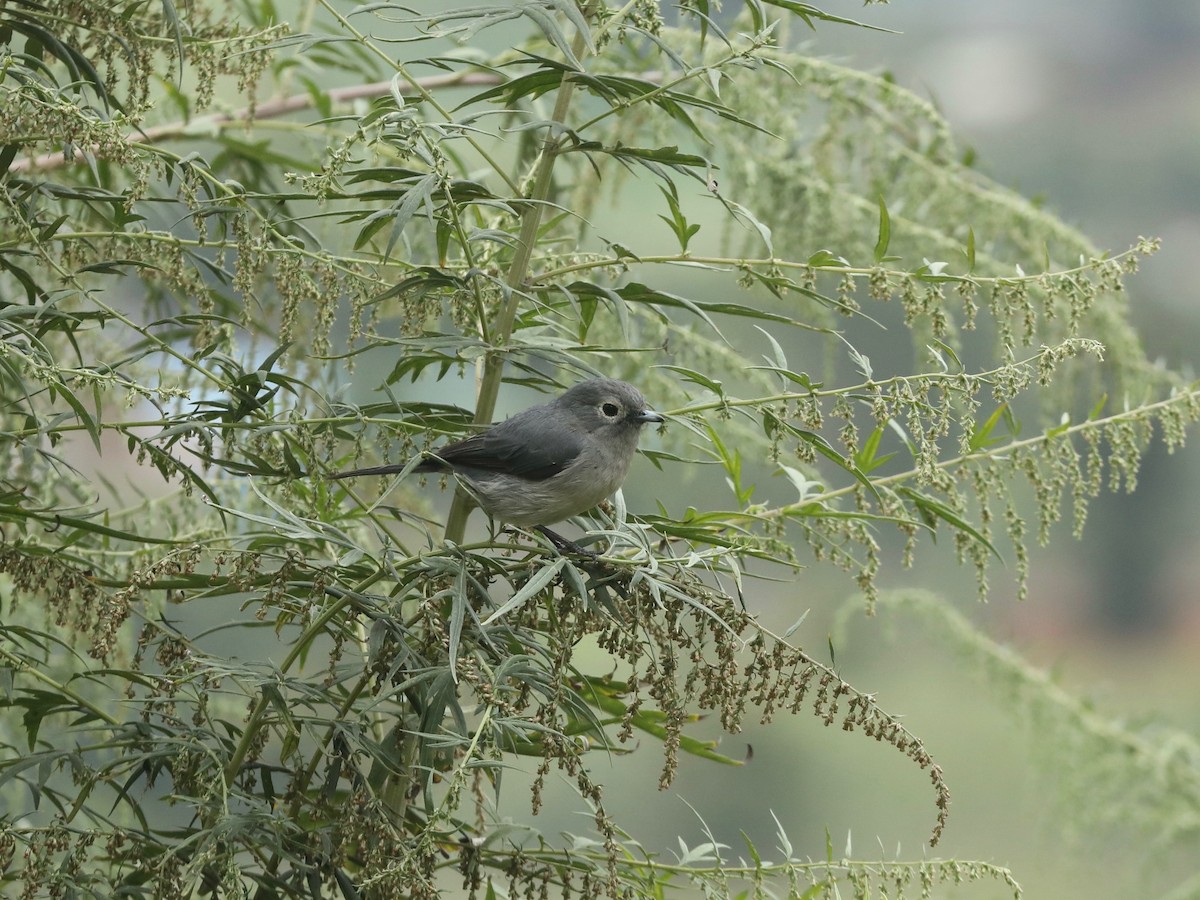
(372, 470)
(430, 464)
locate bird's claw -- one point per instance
(562, 545)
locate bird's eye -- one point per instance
(611, 410)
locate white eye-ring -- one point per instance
(610, 409)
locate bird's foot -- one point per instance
(562, 545)
(601, 574)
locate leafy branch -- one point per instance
(224, 672)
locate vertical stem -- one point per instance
(531, 220)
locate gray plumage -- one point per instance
(549, 462)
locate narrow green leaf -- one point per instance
(866, 458)
(57, 521)
(937, 509)
(823, 259)
(649, 721)
(554, 34)
(808, 12)
(822, 446)
(458, 615)
(1013, 423)
(1061, 427)
(885, 232)
(636, 292)
(777, 354)
(700, 8)
(575, 580)
(47, 232)
(372, 226)
(983, 434)
(751, 849)
(764, 231)
(949, 351)
(8, 153)
(785, 844)
(532, 85)
(800, 378)
(696, 378)
(444, 232)
(90, 425)
(533, 586)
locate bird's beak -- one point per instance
(646, 416)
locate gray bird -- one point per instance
(549, 462)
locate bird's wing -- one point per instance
(511, 451)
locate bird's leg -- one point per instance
(601, 574)
(562, 544)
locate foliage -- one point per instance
(226, 674)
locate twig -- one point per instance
(270, 110)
